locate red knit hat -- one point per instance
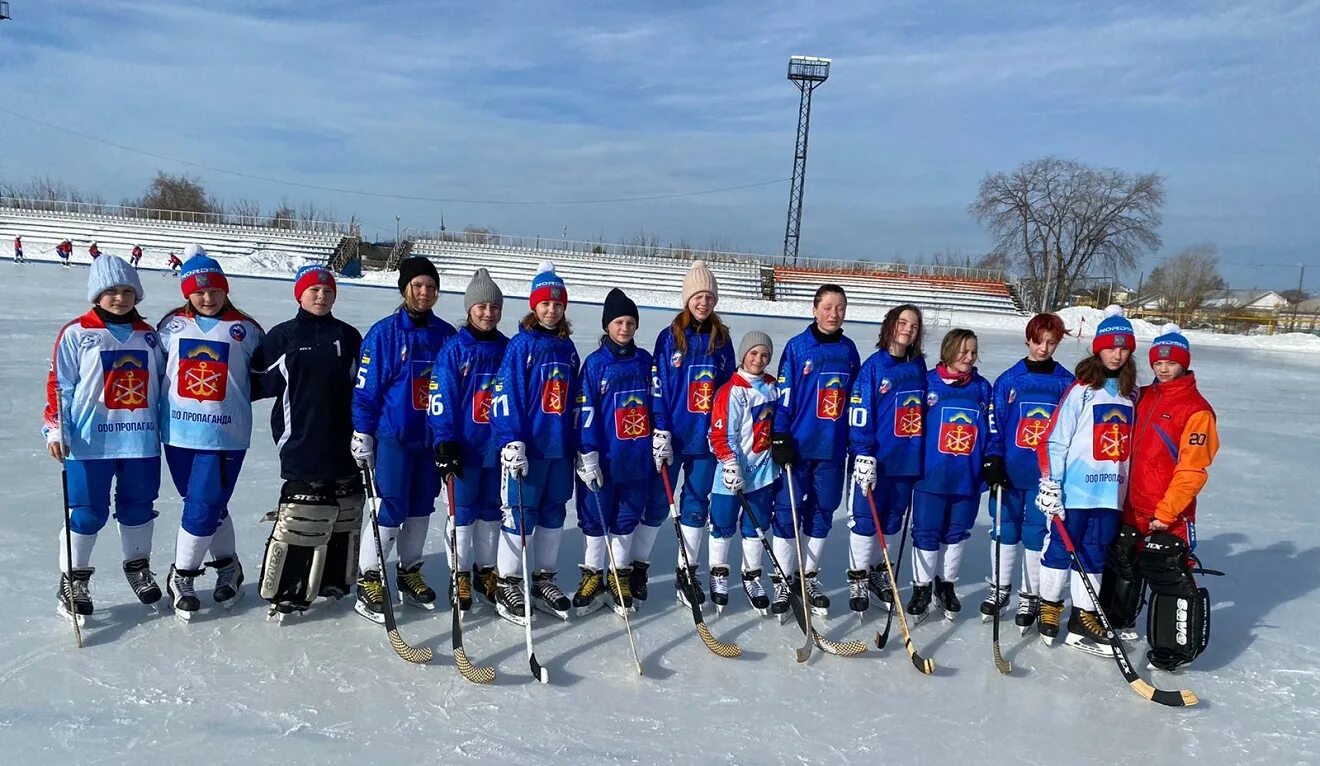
(310, 275)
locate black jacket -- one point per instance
(309, 363)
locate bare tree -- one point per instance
(1184, 281)
(1056, 220)
(245, 212)
(169, 195)
(283, 217)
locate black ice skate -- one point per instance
(1027, 612)
(691, 577)
(547, 596)
(858, 598)
(1051, 614)
(463, 584)
(919, 605)
(719, 588)
(78, 591)
(755, 591)
(637, 582)
(1087, 634)
(779, 605)
(487, 583)
(183, 595)
(996, 602)
(370, 602)
(587, 598)
(228, 581)
(617, 582)
(881, 589)
(413, 588)
(141, 580)
(816, 598)
(509, 602)
(947, 599)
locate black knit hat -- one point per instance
(413, 267)
(617, 305)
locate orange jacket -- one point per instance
(1174, 443)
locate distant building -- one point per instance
(1243, 302)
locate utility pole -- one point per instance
(1301, 275)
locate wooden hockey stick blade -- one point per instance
(1001, 664)
(410, 653)
(838, 648)
(474, 673)
(923, 664)
(802, 653)
(718, 647)
(1180, 698)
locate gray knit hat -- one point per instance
(750, 341)
(108, 272)
(482, 289)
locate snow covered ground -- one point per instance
(234, 689)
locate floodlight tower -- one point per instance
(806, 72)
(4, 10)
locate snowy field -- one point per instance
(233, 688)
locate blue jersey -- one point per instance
(462, 386)
(394, 377)
(532, 394)
(613, 407)
(814, 380)
(683, 387)
(957, 424)
(885, 413)
(1020, 412)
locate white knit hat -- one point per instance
(699, 279)
(111, 271)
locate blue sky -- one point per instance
(549, 101)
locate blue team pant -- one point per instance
(624, 505)
(205, 479)
(698, 479)
(545, 492)
(892, 498)
(137, 484)
(727, 513)
(942, 519)
(406, 481)
(1091, 530)
(477, 496)
(819, 487)
(1019, 519)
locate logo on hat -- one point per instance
(1165, 352)
(202, 280)
(1120, 341)
(322, 276)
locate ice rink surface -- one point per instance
(234, 689)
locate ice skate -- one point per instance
(487, 583)
(1027, 612)
(816, 598)
(78, 591)
(1051, 614)
(1087, 634)
(588, 599)
(228, 581)
(547, 596)
(858, 598)
(413, 588)
(691, 575)
(756, 592)
(509, 602)
(183, 594)
(947, 599)
(370, 602)
(617, 583)
(719, 588)
(637, 583)
(919, 604)
(996, 603)
(881, 589)
(141, 580)
(779, 606)
(463, 586)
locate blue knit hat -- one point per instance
(1171, 345)
(1114, 331)
(547, 286)
(110, 271)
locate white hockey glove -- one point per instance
(588, 470)
(662, 448)
(363, 447)
(1049, 499)
(513, 459)
(731, 476)
(864, 473)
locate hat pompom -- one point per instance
(193, 249)
(1170, 329)
(1113, 310)
(546, 267)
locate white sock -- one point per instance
(786, 552)
(412, 539)
(952, 554)
(1031, 571)
(719, 552)
(1007, 560)
(509, 557)
(1052, 583)
(367, 560)
(463, 541)
(594, 556)
(486, 542)
(222, 542)
(812, 548)
(924, 565)
(545, 542)
(136, 541)
(692, 537)
(190, 550)
(1080, 598)
(860, 550)
(82, 551)
(621, 547)
(643, 541)
(751, 550)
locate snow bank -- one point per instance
(1081, 320)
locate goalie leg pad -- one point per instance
(1178, 624)
(296, 549)
(341, 558)
(1123, 586)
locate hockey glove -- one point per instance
(782, 450)
(588, 470)
(448, 460)
(513, 459)
(662, 448)
(864, 473)
(992, 471)
(363, 447)
(731, 476)
(1049, 499)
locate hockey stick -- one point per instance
(882, 638)
(797, 542)
(838, 648)
(538, 671)
(923, 664)
(614, 570)
(68, 521)
(415, 655)
(1180, 698)
(728, 651)
(1001, 664)
(474, 673)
